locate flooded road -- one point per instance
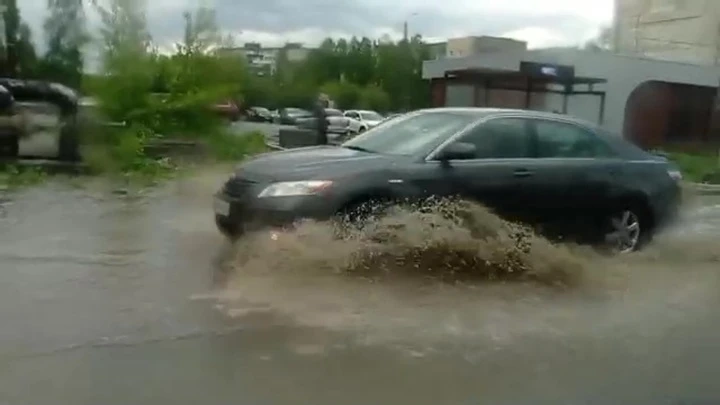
(136, 299)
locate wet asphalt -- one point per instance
(104, 300)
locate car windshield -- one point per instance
(371, 116)
(412, 134)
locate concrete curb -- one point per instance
(704, 189)
(274, 146)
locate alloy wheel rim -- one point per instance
(624, 231)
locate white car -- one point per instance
(362, 120)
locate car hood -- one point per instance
(373, 123)
(308, 163)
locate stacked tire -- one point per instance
(13, 91)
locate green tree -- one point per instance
(19, 58)
(399, 69)
(66, 36)
(11, 23)
(323, 64)
(127, 60)
(373, 97)
(123, 33)
(202, 33)
(26, 55)
(345, 94)
(359, 66)
(381, 75)
(603, 42)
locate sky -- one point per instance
(542, 23)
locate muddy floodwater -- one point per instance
(110, 298)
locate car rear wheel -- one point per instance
(626, 231)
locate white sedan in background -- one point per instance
(362, 120)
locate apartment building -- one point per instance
(674, 30)
(473, 45)
(263, 60)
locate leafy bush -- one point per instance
(346, 95)
(374, 98)
(235, 147)
(161, 96)
(697, 167)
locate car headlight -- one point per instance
(675, 174)
(294, 188)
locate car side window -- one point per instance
(563, 140)
(351, 114)
(500, 138)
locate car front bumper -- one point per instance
(236, 216)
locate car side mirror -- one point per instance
(457, 151)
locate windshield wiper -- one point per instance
(358, 148)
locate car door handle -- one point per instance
(522, 173)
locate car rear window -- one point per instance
(622, 146)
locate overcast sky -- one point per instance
(273, 22)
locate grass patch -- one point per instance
(14, 176)
(228, 146)
(697, 167)
(126, 155)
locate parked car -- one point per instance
(290, 116)
(391, 116)
(337, 123)
(227, 109)
(362, 120)
(259, 114)
(50, 112)
(571, 177)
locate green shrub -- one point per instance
(696, 167)
(234, 147)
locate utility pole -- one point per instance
(406, 35)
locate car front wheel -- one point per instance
(626, 231)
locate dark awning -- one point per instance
(533, 77)
(499, 75)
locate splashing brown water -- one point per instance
(458, 270)
(447, 241)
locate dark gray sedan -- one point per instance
(566, 175)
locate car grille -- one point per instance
(237, 187)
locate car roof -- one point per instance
(482, 112)
(619, 143)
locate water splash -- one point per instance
(459, 271)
